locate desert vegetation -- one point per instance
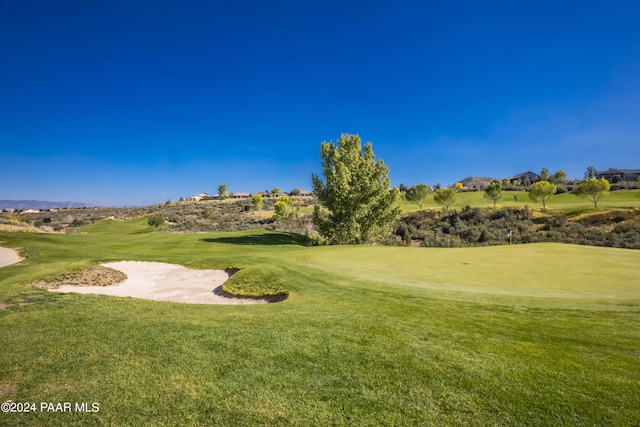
(481, 227)
(567, 219)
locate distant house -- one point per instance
(198, 197)
(532, 177)
(304, 193)
(617, 175)
(240, 195)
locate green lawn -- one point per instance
(543, 334)
(617, 199)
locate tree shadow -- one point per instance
(259, 239)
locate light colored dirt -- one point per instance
(165, 282)
(8, 257)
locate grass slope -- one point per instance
(537, 335)
(616, 200)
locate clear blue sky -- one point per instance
(136, 102)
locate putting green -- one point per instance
(540, 270)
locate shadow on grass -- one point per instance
(259, 239)
(268, 299)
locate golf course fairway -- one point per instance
(540, 334)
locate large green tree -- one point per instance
(593, 189)
(355, 191)
(541, 192)
(493, 192)
(418, 194)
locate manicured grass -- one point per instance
(617, 199)
(548, 273)
(542, 334)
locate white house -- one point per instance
(197, 197)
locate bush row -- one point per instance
(478, 227)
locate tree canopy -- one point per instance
(418, 194)
(445, 197)
(560, 177)
(223, 192)
(590, 173)
(544, 174)
(493, 192)
(541, 192)
(257, 201)
(355, 191)
(594, 190)
(284, 207)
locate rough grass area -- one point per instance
(95, 275)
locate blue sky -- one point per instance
(136, 102)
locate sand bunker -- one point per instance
(8, 257)
(165, 282)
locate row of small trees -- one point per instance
(447, 196)
(592, 189)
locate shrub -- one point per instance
(525, 213)
(156, 220)
(284, 208)
(257, 202)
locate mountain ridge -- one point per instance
(43, 204)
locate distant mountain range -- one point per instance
(41, 204)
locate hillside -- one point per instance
(477, 181)
(470, 222)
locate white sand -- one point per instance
(165, 282)
(8, 257)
